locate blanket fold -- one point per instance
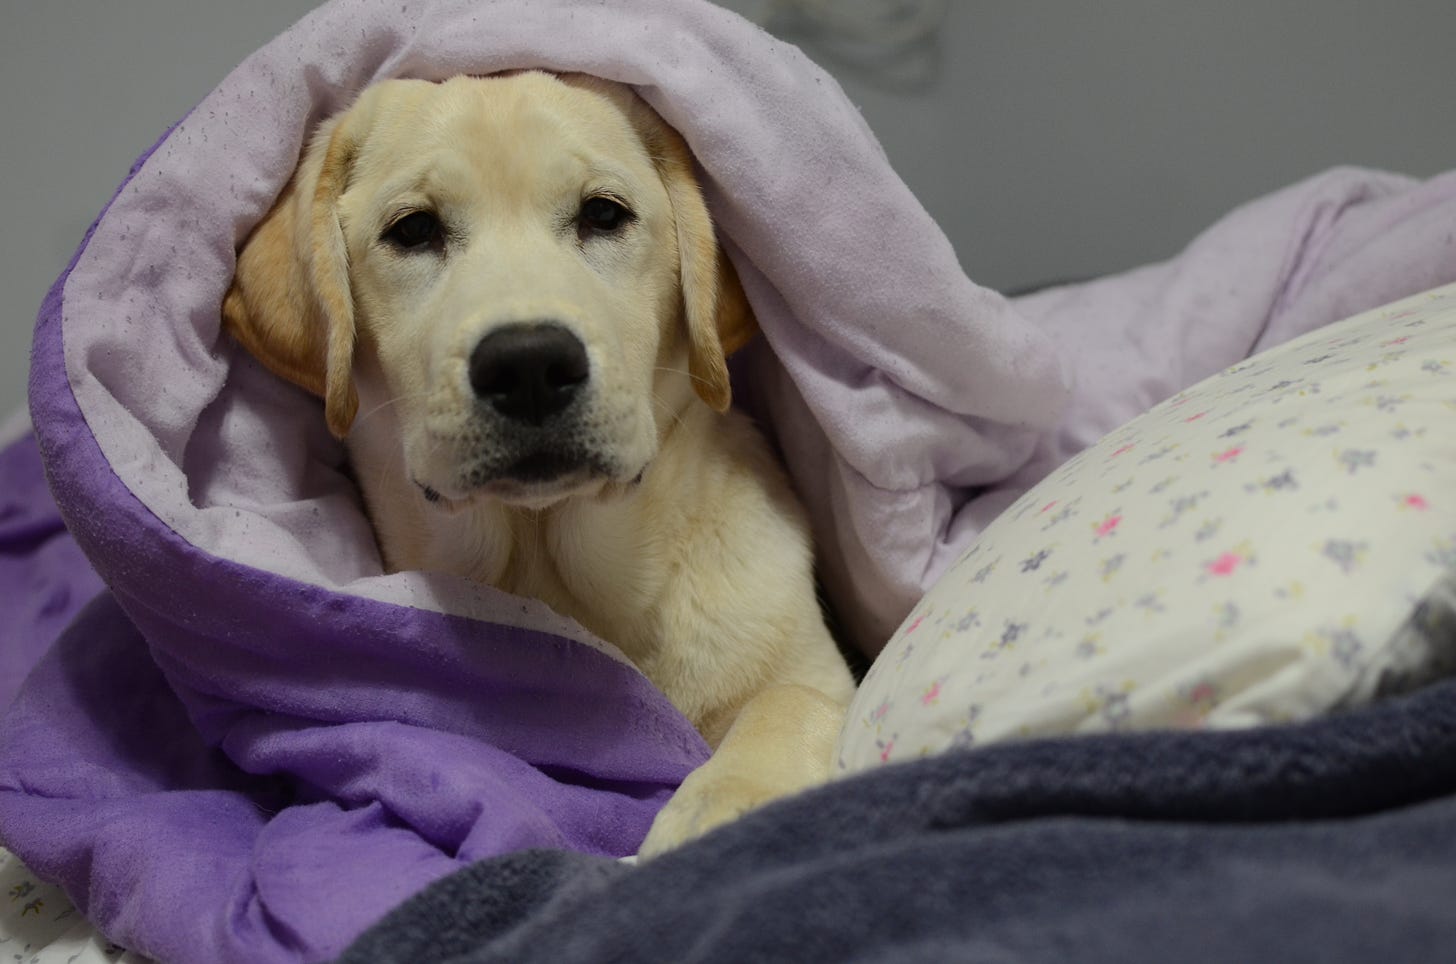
(297, 738)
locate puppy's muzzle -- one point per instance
(529, 372)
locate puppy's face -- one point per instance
(518, 271)
(515, 272)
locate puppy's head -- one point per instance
(519, 268)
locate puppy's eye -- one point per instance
(602, 215)
(417, 230)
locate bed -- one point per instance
(1154, 571)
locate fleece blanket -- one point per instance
(254, 742)
(1331, 842)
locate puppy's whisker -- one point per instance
(360, 419)
(667, 409)
(535, 537)
(681, 371)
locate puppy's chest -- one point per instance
(605, 570)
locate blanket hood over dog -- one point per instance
(291, 741)
(255, 743)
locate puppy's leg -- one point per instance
(781, 742)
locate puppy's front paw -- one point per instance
(780, 743)
(704, 801)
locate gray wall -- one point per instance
(1051, 141)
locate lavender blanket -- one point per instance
(255, 742)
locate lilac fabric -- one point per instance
(44, 576)
(257, 741)
(238, 766)
(1311, 254)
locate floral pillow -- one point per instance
(1253, 550)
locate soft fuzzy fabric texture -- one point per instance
(256, 742)
(300, 740)
(1332, 841)
(44, 577)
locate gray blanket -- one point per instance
(1330, 841)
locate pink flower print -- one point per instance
(1204, 692)
(1195, 417)
(932, 695)
(1199, 698)
(1415, 501)
(1124, 450)
(1226, 564)
(1049, 506)
(878, 714)
(887, 748)
(1228, 455)
(1107, 526)
(1395, 341)
(913, 626)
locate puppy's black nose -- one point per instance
(529, 372)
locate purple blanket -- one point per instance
(255, 742)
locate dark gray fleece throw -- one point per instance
(1330, 841)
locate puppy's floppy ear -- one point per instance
(718, 317)
(290, 303)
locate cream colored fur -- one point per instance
(683, 544)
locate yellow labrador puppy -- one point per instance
(516, 281)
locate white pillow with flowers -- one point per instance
(1260, 548)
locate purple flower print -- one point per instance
(1346, 647)
(1178, 506)
(1112, 705)
(1033, 562)
(1344, 553)
(1152, 602)
(1443, 553)
(1056, 579)
(1356, 459)
(1162, 453)
(1009, 635)
(1111, 565)
(1283, 482)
